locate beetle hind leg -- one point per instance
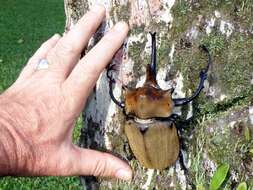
(182, 164)
(186, 171)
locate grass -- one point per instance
(24, 25)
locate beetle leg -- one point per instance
(172, 90)
(111, 82)
(181, 161)
(173, 118)
(202, 75)
(186, 172)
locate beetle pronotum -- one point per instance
(150, 121)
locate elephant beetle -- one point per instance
(150, 122)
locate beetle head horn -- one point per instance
(150, 78)
(151, 68)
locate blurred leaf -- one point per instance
(242, 186)
(219, 176)
(251, 151)
(247, 134)
(200, 187)
(20, 41)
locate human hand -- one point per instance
(38, 112)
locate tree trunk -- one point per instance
(219, 123)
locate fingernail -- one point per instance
(124, 174)
(120, 26)
(97, 8)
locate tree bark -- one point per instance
(181, 27)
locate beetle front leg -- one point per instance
(172, 118)
(111, 81)
(202, 76)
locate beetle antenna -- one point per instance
(203, 77)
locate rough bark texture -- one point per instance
(220, 120)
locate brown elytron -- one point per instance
(157, 147)
(150, 122)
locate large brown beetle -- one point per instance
(150, 121)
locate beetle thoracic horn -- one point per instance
(202, 75)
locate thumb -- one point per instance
(91, 162)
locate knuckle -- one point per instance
(109, 38)
(91, 70)
(55, 57)
(66, 48)
(101, 168)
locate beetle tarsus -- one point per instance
(181, 161)
(203, 77)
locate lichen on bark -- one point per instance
(218, 118)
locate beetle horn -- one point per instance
(151, 68)
(202, 75)
(153, 54)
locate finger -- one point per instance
(91, 162)
(83, 77)
(41, 53)
(67, 52)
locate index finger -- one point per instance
(85, 74)
(67, 51)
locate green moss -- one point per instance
(182, 20)
(198, 172)
(138, 30)
(136, 53)
(214, 110)
(120, 12)
(76, 12)
(223, 143)
(229, 146)
(163, 51)
(216, 42)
